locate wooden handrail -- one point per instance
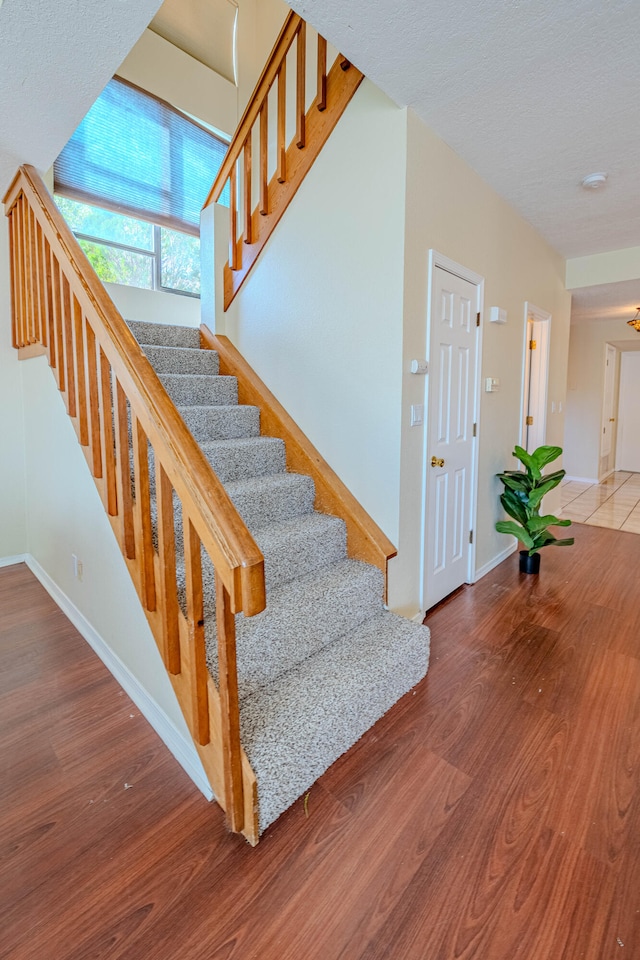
(335, 89)
(114, 397)
(252, 111)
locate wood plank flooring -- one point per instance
(494, 813)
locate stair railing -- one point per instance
(292, 160)
(115, 399)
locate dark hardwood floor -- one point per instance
(493, 814)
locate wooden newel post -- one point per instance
(230, 710)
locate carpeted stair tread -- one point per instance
(185, 389)
(297, 547)
(239, 459)
(261, 501)
(223, 422)
(182, 360)
(295, 728)
(164, 334)
(301, 617)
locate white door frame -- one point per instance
(437, 259)
(538, 316)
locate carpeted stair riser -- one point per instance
(164, 335)
(244, 458)
(221, 422)
(262, 501)
(324, 661)
(305, 719)
(192, 388)
(300, 619)
(183, 360)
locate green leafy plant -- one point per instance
(524, 490)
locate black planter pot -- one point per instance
(529, 564)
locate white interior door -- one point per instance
(450, 435)
(609, 400)
(628, 448)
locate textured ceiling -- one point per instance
(534, 96)
(55, 58)
(608, 301)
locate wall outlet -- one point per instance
(77, 567)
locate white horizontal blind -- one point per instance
(137, 155)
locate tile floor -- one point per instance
(613, 503)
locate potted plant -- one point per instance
(524, 490)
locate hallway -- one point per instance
(614, 503)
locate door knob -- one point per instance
(612, 419)
(437, 462)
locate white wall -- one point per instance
(585, 395)
(452, 210)
(154, 306)
(65, 516)
(336, 309)
(13, 529)
(320, 317)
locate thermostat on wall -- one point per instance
(497, 315)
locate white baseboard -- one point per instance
(181, 748)
(488, 567)
(10, 561)
(582, 479)
(418, 617)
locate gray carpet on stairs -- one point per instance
(324, 661)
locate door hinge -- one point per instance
(475, 430)
(478, 319)
(529, 421)
(470, 536)
(532, 344)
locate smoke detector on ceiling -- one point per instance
(594, 181)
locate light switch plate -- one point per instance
(417, 414)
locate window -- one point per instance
(134, 252)
(131, 183)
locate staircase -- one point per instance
(262, 579)
(324, 660)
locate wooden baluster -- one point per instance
(22, 287)
(247, 202)
(168, 586)
(301, 72)
(51, 324)
(321, 101)
(235, 252)
(264, 158)
(42, 286)
(58, 322)
(94, 401)
(67, 326)
(28, 273)
(34, 239)
(142, 514)
(123, 473)
(15, 279)
(80, 372)
(198, 676)
(229, 707)
(281, 172)
(107, 435)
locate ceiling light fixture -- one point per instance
(594, 181)
(635, 323)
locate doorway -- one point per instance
(628, 445)
(536, 376)
(451, 438)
